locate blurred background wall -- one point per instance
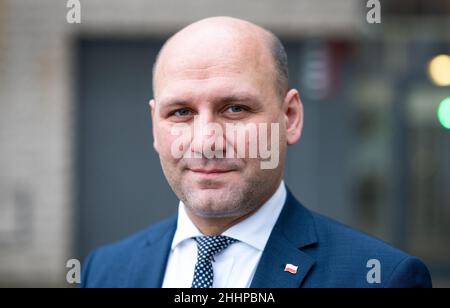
(77, 168)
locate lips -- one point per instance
(210, 171)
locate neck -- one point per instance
(214, 226)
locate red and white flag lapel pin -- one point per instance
(291, 268)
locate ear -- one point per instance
(152, 104)
(293, 113)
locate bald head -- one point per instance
(216, 41)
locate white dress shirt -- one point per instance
(233, 267)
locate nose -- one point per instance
(207, 137)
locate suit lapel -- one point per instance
(270, 271)
(294, 230)
(148, 265)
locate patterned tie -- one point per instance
(207, 247)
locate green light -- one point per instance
(443, 113)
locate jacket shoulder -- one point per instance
(112, 259)
(352, 254)
(338, 235)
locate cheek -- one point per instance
(165, 141)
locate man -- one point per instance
(237, 223)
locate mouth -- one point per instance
(211, 173)
(208, 171)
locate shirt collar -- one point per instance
(254, 230)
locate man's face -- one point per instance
(222, 85)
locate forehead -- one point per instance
(217, 62)
(213, 85)
(217, 90)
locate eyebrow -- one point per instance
(164, 103)
(236, 97)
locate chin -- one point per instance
(212, 203)
(211, 196)
(216, 211)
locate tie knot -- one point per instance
(208, 246)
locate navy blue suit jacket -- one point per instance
(327, 254)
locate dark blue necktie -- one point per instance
(207, 247)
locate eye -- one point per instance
(235, 109)
(182, 112)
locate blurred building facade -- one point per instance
(77, 167)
